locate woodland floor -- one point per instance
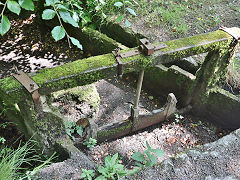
(29, 49)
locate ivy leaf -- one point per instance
(48, 14)
(158, 152)
(68, 131)
(118, 4)
(4, 25)
(128, 2)
(67, 18)
(76, 43)
(153, 159)
(138, 156)
(119, 18)
(79, 128)
(58, 33)
(148, 146)
(26, 4)
(131, 11)
(14, 7)
(61, 7)
(75, 17)
(127, 23)
(51, 2)
(104, 15)
(102, 1)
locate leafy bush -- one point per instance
(11, 161)
(90, 143)
(74, 12)
(112, 169)
(148, 158)
(72, 127)
(87, 174)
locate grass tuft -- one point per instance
(14, 163)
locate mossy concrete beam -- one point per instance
(86, 71)
(222, 108)
(161, 80)
(119, 33)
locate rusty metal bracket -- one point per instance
(148, 49)
(116, 53)
(30, 85)
(234, 32)
(145, 47)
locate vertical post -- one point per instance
(139, 87)
(135, 108)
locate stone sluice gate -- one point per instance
(199, 91)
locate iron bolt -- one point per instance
(31, 86)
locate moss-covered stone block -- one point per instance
(121, 34)
(84, 101)
(222, 108)
(162, 80)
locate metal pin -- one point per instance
(31, 86)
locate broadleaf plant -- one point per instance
(14, 7)
(71, 127)
(74, 12)
(123, 5)
(90, 143)
(111, 169)
(87, 174)
(148, 158)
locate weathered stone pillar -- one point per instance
(212, 72)
(45, 127)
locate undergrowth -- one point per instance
(15, 163)
(21, 162)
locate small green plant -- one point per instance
(148, 158)
(178, 117)
(112, 170)
(124, 6)
(72, 127)
(2, 140)
(87, 174)
(90, 143)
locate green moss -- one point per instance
(108, 133)
(220, 98)
(87, 93)
(213, 71)
(197, 40)
(74, 68)
(89, 70)
(123, 35)
(96, 42)
(67, 75)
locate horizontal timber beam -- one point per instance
(89, 70)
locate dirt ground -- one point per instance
(172, 136)
(29, 49)
(163, 20)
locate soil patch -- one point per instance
(28, 48)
